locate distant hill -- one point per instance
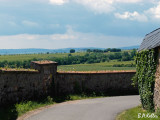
(130, 47)
(63, 50)
(39, 50)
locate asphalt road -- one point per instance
(90, 109)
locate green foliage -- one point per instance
(106, 50)
(24, 107)
(146, 62)
(124, 65)
(112, 50)
(72, 50)
(23, 61)
(12, 112)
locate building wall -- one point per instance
(18, 85)
(157, 84)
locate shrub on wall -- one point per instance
(146, 62)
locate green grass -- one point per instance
(132, 114)
(96, 66)
(22, 57)
(14, 111)
(24, 107)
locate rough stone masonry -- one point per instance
(18, 85)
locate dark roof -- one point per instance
(151, 40)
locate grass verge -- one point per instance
(12, 112)
(138, 113)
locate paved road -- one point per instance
(90, 109)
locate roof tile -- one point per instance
(151, 40)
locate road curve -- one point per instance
(90, 109)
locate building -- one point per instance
(152, 41)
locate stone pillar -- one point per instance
(46, 67)
(48, 70)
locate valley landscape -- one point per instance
(94, 60)
(54, 51)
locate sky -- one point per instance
(54, 24)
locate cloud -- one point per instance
(69, 39)
(103, 6)
(58, 2)
(110, 6)
(132, 16)
(128, 1)
(155, 11)
(152, 14)
(99, 6)
(30, 23)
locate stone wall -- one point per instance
(102, 82)
(18, 85)
(157, 84)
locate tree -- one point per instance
(126, 56)
(133, 53)
(72, 50)
(112, 50)
(89, 50)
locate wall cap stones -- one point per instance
(44, 62)
(95, 72)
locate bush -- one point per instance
(146, 62)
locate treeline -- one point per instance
(17, 64)
(106, 50)
(93, 57)
(87, 58)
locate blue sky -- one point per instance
(56, 24)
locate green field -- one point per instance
(22, 57)
(74, 67)
(96, 66)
